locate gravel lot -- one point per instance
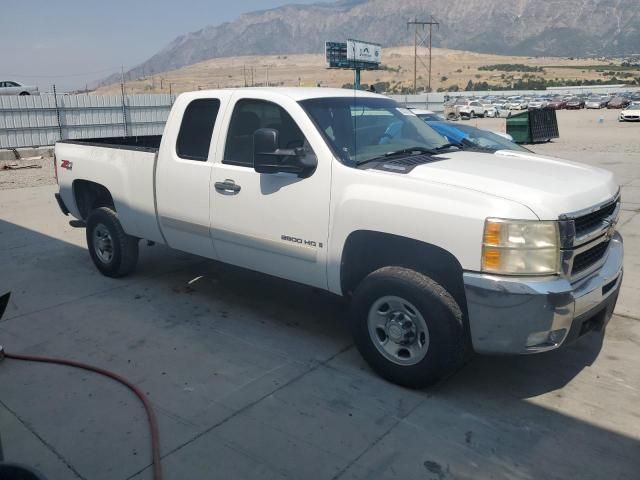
(42, 174)
(257, 378)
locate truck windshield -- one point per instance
(362, 129)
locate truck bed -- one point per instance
(125, 167)
(147, 143)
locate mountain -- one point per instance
(515, 27)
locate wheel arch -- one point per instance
(90, 195)
(366, 251)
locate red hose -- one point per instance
(153, 422)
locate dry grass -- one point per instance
(309, 70)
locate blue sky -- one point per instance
(71, 42)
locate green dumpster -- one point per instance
(534, 126)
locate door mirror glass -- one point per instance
(268, 157)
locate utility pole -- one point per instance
(418, 23)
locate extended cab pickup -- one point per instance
(443, 252)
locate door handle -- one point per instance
(228, 186)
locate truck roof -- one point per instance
(298, 93)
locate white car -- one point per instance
(441, 252)
(8, 87)
(471, 109)
(489, 110)
(630, 114)
(517, 104)
(538, 103)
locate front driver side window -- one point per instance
(250, 115)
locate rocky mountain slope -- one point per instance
(516, 27)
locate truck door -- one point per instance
(272, 223)
(183, 172)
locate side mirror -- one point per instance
(269, 158)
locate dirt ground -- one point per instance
(32, 172)
(309, 70)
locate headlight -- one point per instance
(520, 247)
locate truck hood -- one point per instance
(548, 186)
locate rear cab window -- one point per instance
(196, 129)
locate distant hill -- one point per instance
(514, 27)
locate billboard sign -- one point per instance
(364, 51)
(336, 54)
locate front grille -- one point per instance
(591, 221)
(586, 259)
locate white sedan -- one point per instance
(9, 87)
(630, 114)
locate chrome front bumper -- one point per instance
(525, 315)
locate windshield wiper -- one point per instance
(446, 146)
(409, 151)
(406, 152)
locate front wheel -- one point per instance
(407, 327)
(113, 252)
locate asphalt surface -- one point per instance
(257, 378)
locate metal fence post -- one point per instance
(55, 101)
(124, 111)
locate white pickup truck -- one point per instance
(443, 252)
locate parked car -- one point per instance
(502, 110)
(538, 103)
(596, 102)
(517, 103)
(618, 103)
(557, 103)
(441, 252)
(575, 103)
(467, 136)
(630, 113)
(8, 87)
(471, 109)
(490, 111)
(433, 120)
(427, 115)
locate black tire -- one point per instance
(446, 350)
(472, 114)
(123, 247)
(23, 94)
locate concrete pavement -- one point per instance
(257, 378)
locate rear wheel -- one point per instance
(407, 327)
(22, 94)
(113, 252)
